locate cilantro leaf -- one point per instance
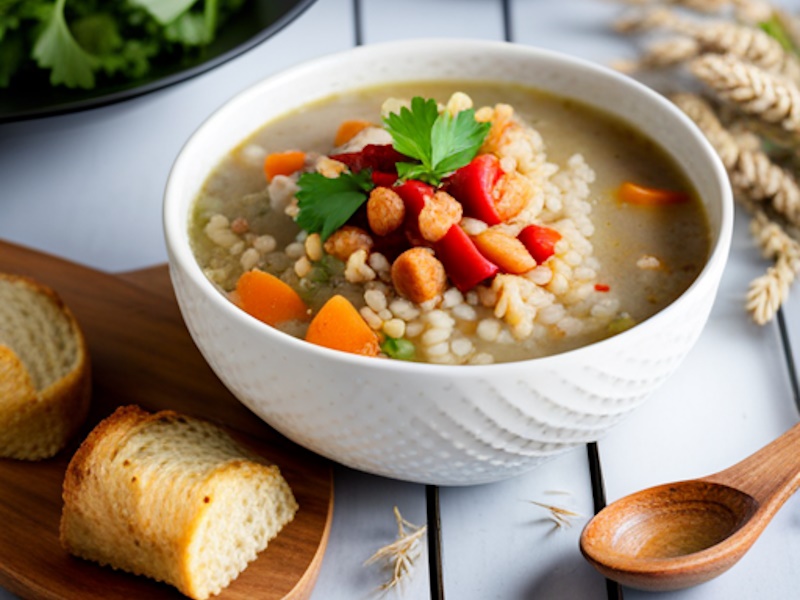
(327, 203)
(440, 141)
(56, 48)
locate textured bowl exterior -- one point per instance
(446, 425)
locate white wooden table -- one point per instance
(88, 187)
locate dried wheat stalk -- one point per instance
(751, 11)
(753, 177)
(767, 293)
(790, 24)
(749, 43)
(752, 173)
(751, 89)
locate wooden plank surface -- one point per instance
(142, 353)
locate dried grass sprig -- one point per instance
(561, 517)
(400, 554)
(751, 89)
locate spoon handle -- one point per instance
(771, 475)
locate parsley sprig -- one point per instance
(440, 141)
(327, 203)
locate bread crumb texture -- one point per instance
(173, 498)
(45, 385)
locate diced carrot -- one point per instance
(602, 287)
(338, 325)
(348, 130)
(269, 299)
(633, 193)
(283, 163)
(504, 250)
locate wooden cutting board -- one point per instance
(142, 354)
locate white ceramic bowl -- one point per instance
(447, 425)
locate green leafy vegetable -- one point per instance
(165, 11)
(440, 141)
(79, 41)
(398, 348)
(57, 50)
(327, 203)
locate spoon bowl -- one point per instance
(681, 534)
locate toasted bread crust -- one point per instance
(37, 422)
(172, 498)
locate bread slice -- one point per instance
(173, 498)
(45, 384)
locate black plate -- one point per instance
(254, 23)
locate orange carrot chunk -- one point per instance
(283, 163)
(269, 299)
(339, 325)
(348, 130)
(633, 193)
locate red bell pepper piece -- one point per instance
(464, 264)
(472, 186)
(540, 241)
(378, 157)
(414, 194)
(381, 179)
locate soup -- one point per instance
(452, 223)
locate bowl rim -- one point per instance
(175, 222)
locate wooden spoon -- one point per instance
(680, 534)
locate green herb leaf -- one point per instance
(327, 203)
(456, 140)
(441, 142)
(411, 129)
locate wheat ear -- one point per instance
(751, 89)
(768, 292)
(752, 173)
(749, 43)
